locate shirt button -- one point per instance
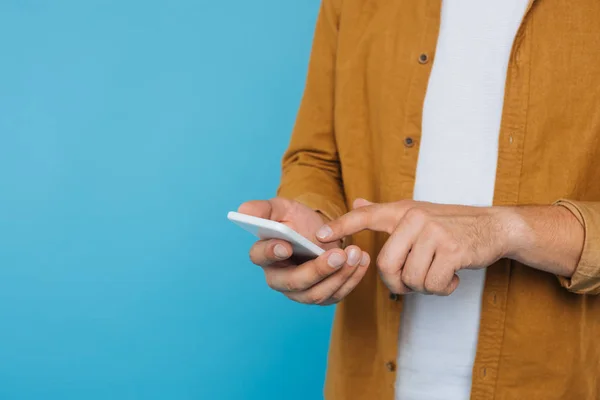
(394, 297)
(423, 58)
(409, 142)
(390, 366)
(483, 372)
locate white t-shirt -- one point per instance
(457, 165)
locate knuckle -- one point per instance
(316, 298)
(346, 272)
(322, 270)
(363, 215)
(287, 283)
(404, 203)
(270, 281)
(432, 285)
(384, 264)
(404, 206)
(259, 253)
(416, 215)
(291, 285)
(253, 255)
(452, 247)
(412, 281)
(433, 228)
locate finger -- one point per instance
(352, 282)
(418, 262)
(274, 209)
(394, 254)
(359, 203)
(376, 217)
(324, 290)
(441, 278)
(266, 252)
(300, 278)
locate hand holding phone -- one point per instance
(284, 227)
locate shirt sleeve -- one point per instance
(586, 279)
(311, 172)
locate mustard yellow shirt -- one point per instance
(357, 135)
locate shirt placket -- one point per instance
(510, 158)
(409, 126)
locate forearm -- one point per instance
(548, 238)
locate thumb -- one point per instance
(256, 208)
(359, 203)
(274, 209)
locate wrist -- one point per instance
(515, 233)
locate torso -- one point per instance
(537, 340)
(457, 165)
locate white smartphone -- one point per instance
(267, 229)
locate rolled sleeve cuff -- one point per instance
(320, 204)
(586, 278)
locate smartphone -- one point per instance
(267, 229)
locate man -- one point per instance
(474, 128)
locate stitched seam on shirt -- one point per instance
(510, 266)
(530, 29)
(413, 77)
(503, 331)
(338, 15)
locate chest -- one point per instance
(549, 122)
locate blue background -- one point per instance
(128, 129)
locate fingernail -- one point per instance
(280, 251)
(364, 260)
(353, 257)
(336, 260)
(324, 232)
